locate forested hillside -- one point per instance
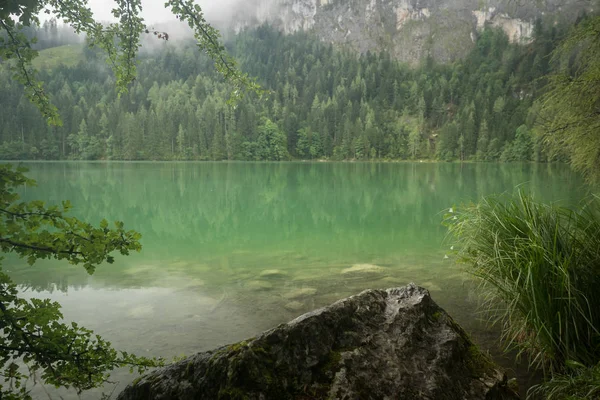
(325, 103)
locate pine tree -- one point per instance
(181, 145)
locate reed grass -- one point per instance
(580, 383)
(539, 270)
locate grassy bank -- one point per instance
(539, 271)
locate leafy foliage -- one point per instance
(208, 40)
(581, 383)
(119, 40)
(570, 117)
(24, 230)
(15, 45)
(32, 333)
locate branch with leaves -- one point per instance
(15, 46)
(120, 41)
(31, 331)
(570, 109)
(209, 40)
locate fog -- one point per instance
(154, 11)
(218, 13)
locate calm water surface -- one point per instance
(232, 249)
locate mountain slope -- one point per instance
(68, 55)
(410, 30)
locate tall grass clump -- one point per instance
(539, 269)
(579, 383)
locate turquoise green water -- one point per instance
(232, 249)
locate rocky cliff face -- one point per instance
(380, 344)
(409, 29)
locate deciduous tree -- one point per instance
(33, 338)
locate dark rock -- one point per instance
(379, 344)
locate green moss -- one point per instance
(137, 380)
(323, 375)
(252, 370)
(189, 370)
(331, 365)
(478, 363)
(217, 354)
(237, 347)
(437, 315)
(457, 328)
(232, 394)
(260, 350)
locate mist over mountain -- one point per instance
(410, 30)
(325, 102)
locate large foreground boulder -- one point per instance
(379, 344)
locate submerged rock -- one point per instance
(300, 293)
(363, 269)
(294, 306)
(380, 344)
(259, 285)
(272, 273)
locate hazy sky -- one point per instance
(154, 10)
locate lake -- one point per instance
(232, 249)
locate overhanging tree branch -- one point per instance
(24, 54)
(39, 248)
